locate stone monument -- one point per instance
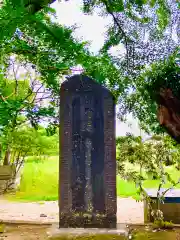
(87, 189)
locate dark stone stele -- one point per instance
(87, 189)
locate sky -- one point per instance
(92, 29)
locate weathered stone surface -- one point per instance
(8, 179)
(87, 154)
(6, 172)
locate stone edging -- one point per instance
(41, 223)
(24, 222)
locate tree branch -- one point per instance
(116, 21)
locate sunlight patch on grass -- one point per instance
(39, 181)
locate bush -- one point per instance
(162, 225)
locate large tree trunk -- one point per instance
(169, 113)
(7, 156)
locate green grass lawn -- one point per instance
(40, 182)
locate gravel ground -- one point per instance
(24, 232)
(128, 211)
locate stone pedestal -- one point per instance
(85, 220)
(54, 233)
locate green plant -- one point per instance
(160, 224)
(151, 157)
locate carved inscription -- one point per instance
(88, 161)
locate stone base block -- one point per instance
(85, 221)
(55, 233)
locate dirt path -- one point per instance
(24, 232)
(128, 211)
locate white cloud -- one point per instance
(91, 28)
